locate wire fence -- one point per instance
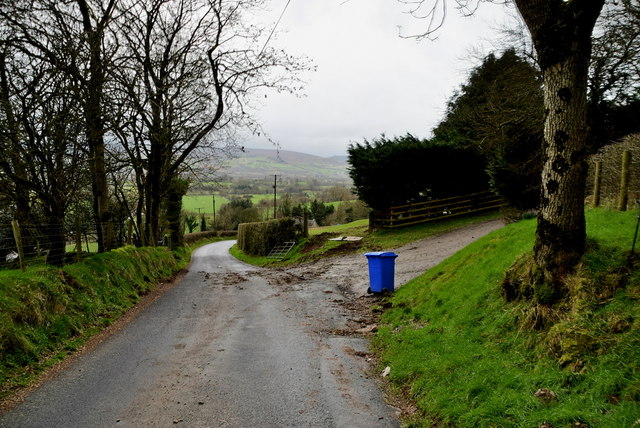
(29, 245)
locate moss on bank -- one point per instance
(48, 312)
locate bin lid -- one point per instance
(381, 254)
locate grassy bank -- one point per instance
(318, 244)
(47, 312)
(468, 358)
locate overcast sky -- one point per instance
(369, 80)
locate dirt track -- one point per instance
(351, 271)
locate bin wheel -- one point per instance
(369, 290)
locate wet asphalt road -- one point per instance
(230, 345)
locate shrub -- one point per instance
(238, 210)
(397, 171)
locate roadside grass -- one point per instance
(47, 312)
(318, 244)
(468, 358)
(355, 228)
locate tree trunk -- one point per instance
(561, 33)
(177, 189)
(55, 232)
(93, 115)
(141, 241)
(100, 188)
(154, 192)
(560, 236)
(23, 215)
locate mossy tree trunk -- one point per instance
(56, 237)
(177, 189)
(561, 33)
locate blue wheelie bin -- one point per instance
(381, 271)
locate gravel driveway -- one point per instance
(351, 271)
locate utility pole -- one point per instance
(214, 211)
(275, 186)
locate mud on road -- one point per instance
(232, 345)
(228, 345)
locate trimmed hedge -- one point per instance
(259, 238)
(196, 236)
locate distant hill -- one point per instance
(260, 163)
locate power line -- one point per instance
(274, 27)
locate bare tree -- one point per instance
(70, 37)
(10, 134)
(614, 70)
(41, 151)
(147, 87)
(614, 74)
(191, 69)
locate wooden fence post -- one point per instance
(78, 240)
(624, 181)
(596, 184)
(18, 238)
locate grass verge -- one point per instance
(468, 358)
(318, 244)
(47, 312)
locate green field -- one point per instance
(191, 203)
(91, 247)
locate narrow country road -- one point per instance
(229, 345)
